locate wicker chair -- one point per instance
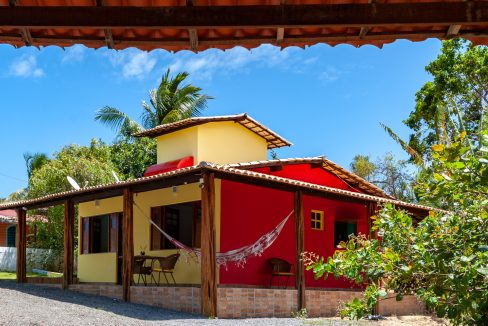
(142, 270)
(166, 266)
(281, 268)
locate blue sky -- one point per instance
(326, 100)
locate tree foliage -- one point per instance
(88, 165)
(454, 101)
(388, 173)
(172, 101)
(443, 259)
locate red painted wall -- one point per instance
(248, 212)
(304, 172)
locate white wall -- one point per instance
(35, 257)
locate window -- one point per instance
(317, 220)
(11, 230)
(342, 230)
(181, 221)
(100, 233)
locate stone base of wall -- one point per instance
(255, 302)
(234, 302)
(185, 299)
(45, 280)
(179, 298)
(408, 306)
(325, 303)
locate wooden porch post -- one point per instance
(300, 248)
(69, 225)
(20, 243)
(128, 245)
(208, 250)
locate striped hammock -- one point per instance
(237, 256)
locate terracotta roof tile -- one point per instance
(228, 35)
(350, 178)
(218, 168)
(273, 139)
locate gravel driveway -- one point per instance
(38, 305)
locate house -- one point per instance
(8, 227)
(214, 193)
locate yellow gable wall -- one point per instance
(217, 142)
(229, 142)
(177, 145)
(102, 267)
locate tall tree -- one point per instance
(34, 162)
(174, 100)
(388, 173)
(455, 101)
(363, 167)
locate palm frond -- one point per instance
(412, 152)
(115, 119)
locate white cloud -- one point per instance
(26, 66)
(330, 74)
(205, 65)
(132, 63)
(74, 54)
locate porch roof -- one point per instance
(350, 178)
(197, 25)
(194, 173)
(273, 139)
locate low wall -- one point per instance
(179, 298)
(35, 258)
(234, 302)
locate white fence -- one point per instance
(36, 258)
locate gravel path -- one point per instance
(38, 305)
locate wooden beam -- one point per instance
(109, 39)
(364, 30)
(280, 35)
(69, 228)
(300, 248)
(264, 16)
(192, 32)
(21, 244)
(208, 243)
(182, 42)
(128, 242)
(24, 32)
(453, 30)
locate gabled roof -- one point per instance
(350, 178)
(220, 171)
(273, 139)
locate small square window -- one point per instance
(317, 220)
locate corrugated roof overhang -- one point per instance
(201, 24)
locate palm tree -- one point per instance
(34, 162)
(172, 101)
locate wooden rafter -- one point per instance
(24, 32)
(107, 32)
(192, 32)
(264, 16)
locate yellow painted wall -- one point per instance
(229, 142)
(217, 142)
(102, 267)
(177, 145)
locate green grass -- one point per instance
(12, 276)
